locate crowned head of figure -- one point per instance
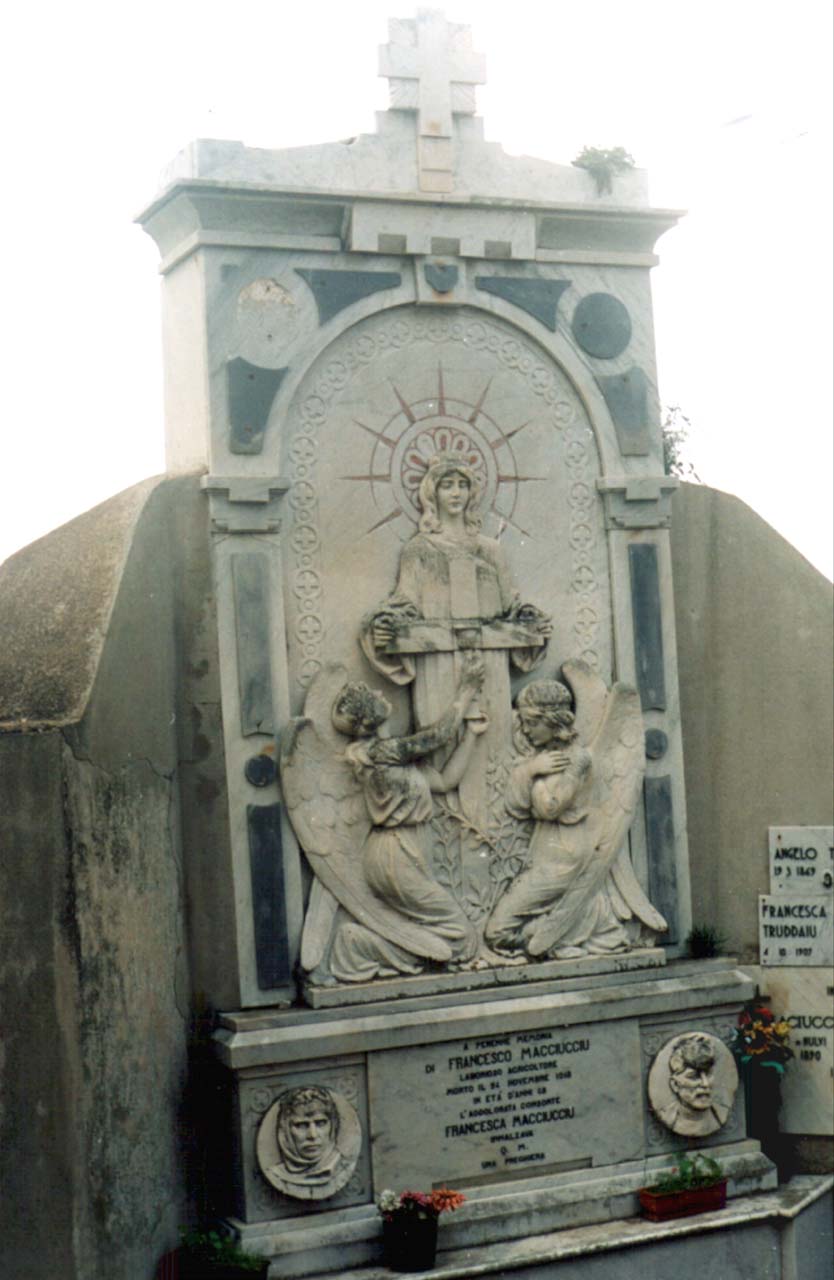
(449, 487)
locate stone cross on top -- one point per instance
(432, 70)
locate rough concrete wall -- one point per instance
(57, 595)
(128, 936)
(38, 1066)
(94, 975)
(756, 660)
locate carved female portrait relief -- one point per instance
(692, 1084)
(308, 1143)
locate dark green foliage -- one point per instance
(603, 164)
(704, 941)
(212, 1250)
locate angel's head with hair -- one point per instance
(359, 711)
(443, 470)
(544, 709)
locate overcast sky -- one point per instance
(728, 104)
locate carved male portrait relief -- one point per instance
(308, 1143)
(692, 1084)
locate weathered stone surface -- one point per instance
(775, 1235)
(96, 1057)
(754, 630)
(57, 595)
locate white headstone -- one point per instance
(801, 859)
(796, 930)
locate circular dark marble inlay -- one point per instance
(260, 770)
(656, 743)
(602, 325)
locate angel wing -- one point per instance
(590, 695)
(619, 764)
(328, 813)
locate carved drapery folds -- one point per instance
(484, 835)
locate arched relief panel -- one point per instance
(372, 408)
(577, 369)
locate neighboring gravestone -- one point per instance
(795, 918)
(433, 466)
(797, 950)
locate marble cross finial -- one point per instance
(433, 70)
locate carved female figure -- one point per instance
(397, 783)
(576, 895)
(454, 592)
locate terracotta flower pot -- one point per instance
(660, 1205)
(410, 1241)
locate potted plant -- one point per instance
(208, 1255)
(762, 1051)
(409, 1226)
(695, 1185)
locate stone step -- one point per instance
(780, 1235)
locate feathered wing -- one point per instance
(329, 816)
(618, 763)
(590, 696)
(620, 752)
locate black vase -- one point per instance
(410, 1241)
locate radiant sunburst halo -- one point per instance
(402, 447)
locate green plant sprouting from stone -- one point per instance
(674, 430)
(704, 941)
(604, 164)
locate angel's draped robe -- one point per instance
(399, 805)
(452, 579)
(562, 880)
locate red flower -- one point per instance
(442, 1199)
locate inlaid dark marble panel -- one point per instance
(648, 632)
(660, 849)
(602, 325)
(250, 575)
(335, 290)
(626, 395)
(269, 908)
(539, 298)
(441, 276)
(251, 391)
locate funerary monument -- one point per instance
(378, 695)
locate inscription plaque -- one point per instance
(801, 859)
(515, 1105)
(795, 930)
(805, 999)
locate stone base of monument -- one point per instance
(321, 997)
(782, 1235)
(533, 1100)
(339, 1241)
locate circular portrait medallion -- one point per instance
(308, 1142)
(692, 1084)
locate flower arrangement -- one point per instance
(690, 1172)
(418, 1204)
(409, 1225)
(696, 1185)
(761, 1039)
